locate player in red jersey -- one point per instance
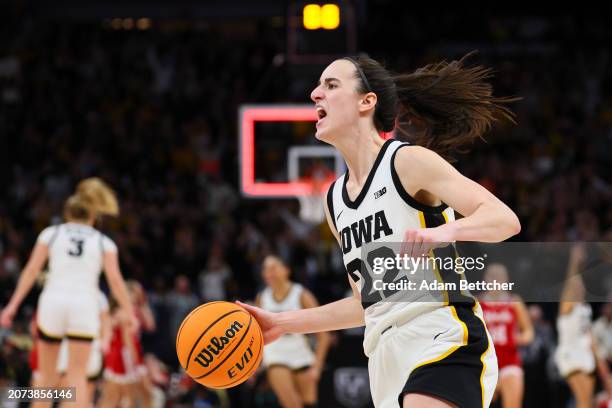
(125, 373)
(508, 322)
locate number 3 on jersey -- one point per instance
(77, 249)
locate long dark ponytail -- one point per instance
(444, 106)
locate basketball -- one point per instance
(219, 344)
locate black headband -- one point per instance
(361, 74)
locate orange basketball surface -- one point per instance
(219, 344)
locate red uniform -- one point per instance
(34, 352)
(501, 320)
(120, 365)
(34, 356)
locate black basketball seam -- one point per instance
(178, 334)
(204, 332)
(261, 344)
(231, 351)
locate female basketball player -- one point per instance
(433, 354)
(144, 386)
(95, 365)
(68, 305)
(510, 326)
(125, 374)
(575, 355)
(292, 367)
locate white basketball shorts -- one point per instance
(446, 353)
(72, 315)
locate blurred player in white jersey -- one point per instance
(99, 345)
(293, 368)
(576, 354)
(68, 306)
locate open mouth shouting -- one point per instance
(321, 114)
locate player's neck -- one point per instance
(496, 295)
(88, 223)
(360, 149)
(280, 292)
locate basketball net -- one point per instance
(311, 206)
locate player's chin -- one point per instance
(322, 134)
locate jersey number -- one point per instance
(77, 250)
(499, 334)
(369, 297)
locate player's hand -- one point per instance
(129, 320)
(7, 316)
(267, 321)
(418, 242)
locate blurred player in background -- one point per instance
(577, 355)
(68, 306)
(602, 334)
(142, 308)
(432, 353)
(293, 368)
(125, 373)
(99, 345)
(510, 326)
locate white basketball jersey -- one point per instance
(382, 212)
(291, 349)
(290, 302)
(75, 257)
(575, 327)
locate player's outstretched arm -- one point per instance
(526, 331)
(341, 314)
(308, 300)
(573, 287)
(117, 285)
(486, 218)
(26, 281)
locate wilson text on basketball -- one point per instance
(207, 355)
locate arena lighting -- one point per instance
(330, 16)
(143, 23)
(312, 16)
(127, 23)
(116, 23)
(248, 116)
(326, 16)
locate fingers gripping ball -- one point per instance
(219, 344)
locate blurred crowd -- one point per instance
(154, 114)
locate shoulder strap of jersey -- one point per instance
(330, 203)
(54, 236)
(408, 199)
(296, 294)
(266, 296)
